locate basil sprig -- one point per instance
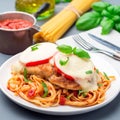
(81, 53)
(64, 62)
(34, 47)
(89, 72)
(106, 76)
(82, 92)
(25, 75)
(76, 51)
(45, 89)
(65, 49)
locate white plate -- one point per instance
(101, 64)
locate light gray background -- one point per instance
(11, 111)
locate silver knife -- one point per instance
(104, 42)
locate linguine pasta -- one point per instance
(33, 91)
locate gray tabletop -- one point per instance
(11, 111)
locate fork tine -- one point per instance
(81, 42)
(78, 41)
(85, 42)
(86, 45)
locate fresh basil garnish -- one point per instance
(25, 75)
(81, 53)
(100, 84)
(65, 49)
(89, 72)
(97, 71)
(76, 51)
(64, 62)
(45, 89)
(34, 47)
(82, 92)
(106, 76)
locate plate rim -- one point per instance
(51, 112)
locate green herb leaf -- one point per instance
(117, 26)
(66, 0)
(68, 97)
(81, 53)
(88, 20)
(106, 76)
(89, 72)
(25, 75)
(100, 84)
(45, 89)
(65, 49)
(82, 92)
(114, 9)
(64, 62)
(107, 25)
(57, 1)
(100, 6)
(105, 13)
(34, 47)
(97, 71)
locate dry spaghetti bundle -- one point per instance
(59, 24)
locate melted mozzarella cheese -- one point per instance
(17, 67)
(77, 68)
(43, 51)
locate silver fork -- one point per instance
(87, 46)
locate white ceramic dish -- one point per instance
(99, 62)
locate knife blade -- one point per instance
(104, 42)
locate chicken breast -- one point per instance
(48, 72)
(64, 83)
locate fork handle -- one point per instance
(116, 56)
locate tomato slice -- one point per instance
(38, 54)
(62, 100)
(31, 93)
(38, 62)
(62, 73)
(57, 66)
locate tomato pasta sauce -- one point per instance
(15, 24)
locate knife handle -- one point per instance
(116, 56)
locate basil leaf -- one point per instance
(25, 75)
(97, 71)
(68, 97)
(66, 0)
(82, 92)
(100, 6)
(64, 62)
(89, 72)
(81, 53)
(106, 76)
(107, 25)
(88, 21)
(114, 9)
(34, 47)
(100, 84)
(57, 1)
(117, 27)
(45, 89)
(65, 49)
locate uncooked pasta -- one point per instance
(53, 29)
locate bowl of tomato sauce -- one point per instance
(16, 31)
